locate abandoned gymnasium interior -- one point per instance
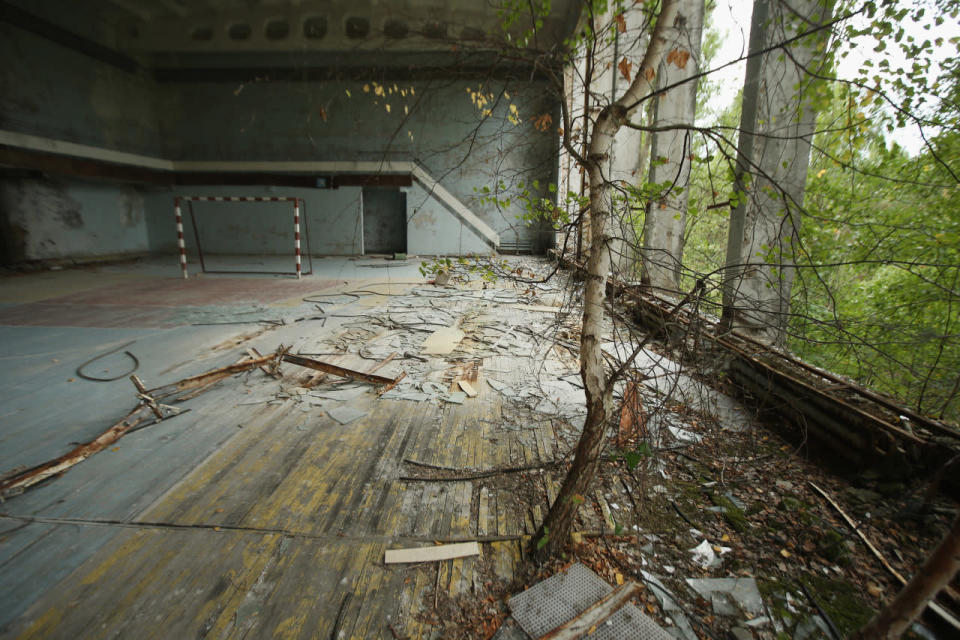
(311, 312)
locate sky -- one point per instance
(732, 19)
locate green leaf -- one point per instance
(542, 542)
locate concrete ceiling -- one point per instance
(146, 27)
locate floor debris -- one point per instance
(25, 479)
(467, 388)
(730, 596)
(442, 341)
(337, 370)
(345, 415)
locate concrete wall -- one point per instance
(55, 92)
(49, 218)
(435, 123)
(49, 90)
(432, 230)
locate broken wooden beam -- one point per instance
(632, 419)
(382, 390)
(270, 371)
(54, 467)
(145, 396)
(383, 362)
(343, 372)
(460, 475)
(209, 377)
(148, 400)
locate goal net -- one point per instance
(243, 234)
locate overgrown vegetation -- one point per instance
(876, 297)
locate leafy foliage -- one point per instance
(876, 296)
(880, 299)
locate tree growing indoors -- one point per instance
(753, 226)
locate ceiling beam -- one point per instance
(174, 7)
(45, 29)
(134, 8)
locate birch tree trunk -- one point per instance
(555, 530)
(627, 155)
(760, 261)
(665, 221)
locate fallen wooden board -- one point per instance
(632, 421)
(467, 388)
(432, 554)
(148, 401)
(253, 353)
(382, 390)
(383, 362)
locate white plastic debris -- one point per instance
(703, 554)
(683, 435)
(740, 591)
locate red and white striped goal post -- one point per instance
(179, 214)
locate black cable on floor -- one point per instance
(136, 364)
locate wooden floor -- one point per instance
(281, 530)
(275, 530)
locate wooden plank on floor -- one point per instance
(413, 594)
(483, 514)
(460, 510)
(550, 488)
(431, 553)
(370, 599)
(504, 558)
(541, 446)
(310, 593)
(49, 559)
(409, 508)
(506, 521)
(428, 516)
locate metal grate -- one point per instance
(547, 605)
(630, 622)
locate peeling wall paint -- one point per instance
(57, 219)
